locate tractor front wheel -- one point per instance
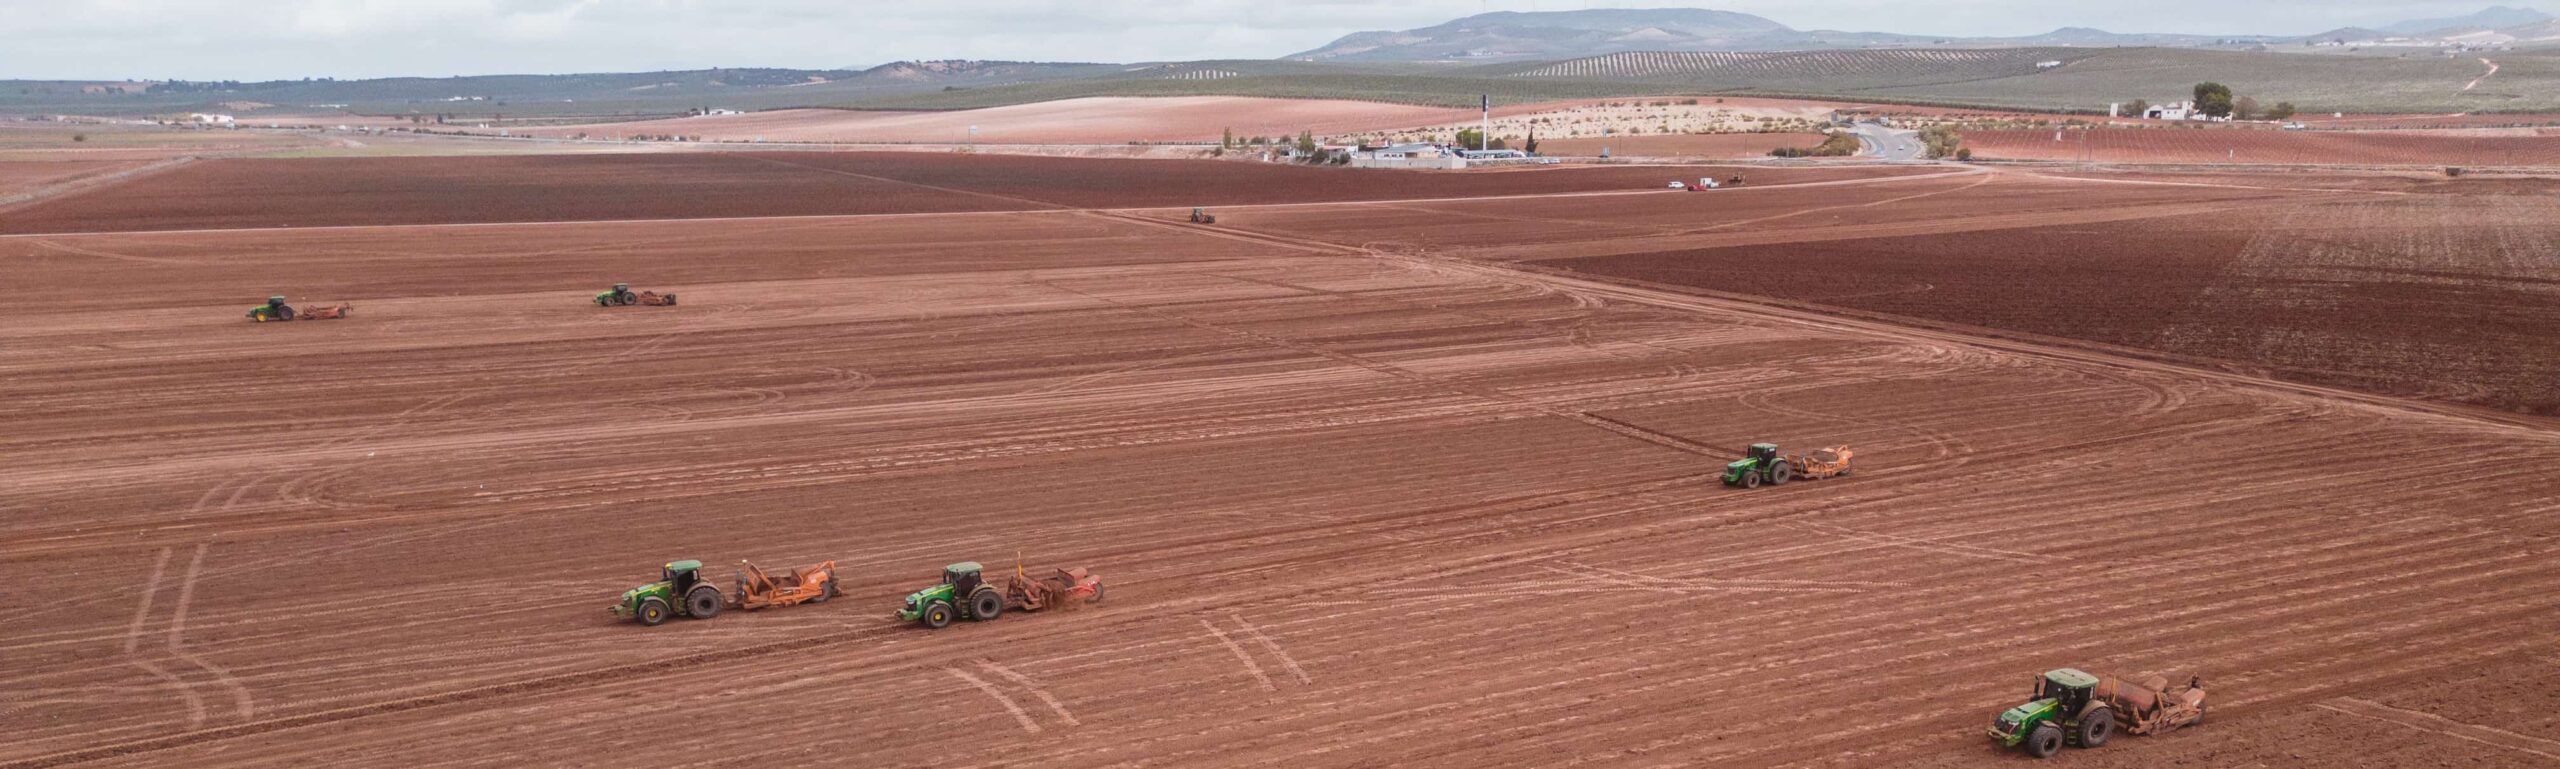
(985, 604)
(704, 602)
(1751, 480)
(653, 610)
(2045, 741)
(937, 615)
(2096, 727)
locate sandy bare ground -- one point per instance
(1359, 504)
(1098, 120)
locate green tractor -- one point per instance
(274, 309)
(963, 594)
(2064, 710)
(1760, 464)
(2075, 708)
(680, 589)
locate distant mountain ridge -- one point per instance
(2493, 17)
(1518, 36)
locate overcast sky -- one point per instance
(275, 39)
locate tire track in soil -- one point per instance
(1019, 716)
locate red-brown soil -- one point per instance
(17, 176)
(1679, 145)
(1364, 496)
(2488, 147)
(310, 192)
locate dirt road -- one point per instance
(1360, 501)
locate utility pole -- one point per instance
(1484, 135)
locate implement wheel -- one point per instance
(825, 592)
(2045, 741)
(703, 602)
(2096, 727)
(653, 610)
(985, 604)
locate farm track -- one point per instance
(1366, 492)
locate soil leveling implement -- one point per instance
(2076, 708)
(1063, 588)
(807, 584)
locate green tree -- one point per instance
(1306, 143)
(1941, 140)
(2213, 99)
(1228, 141)
(2139, 106)
(1531, 146)
(1469, 138)
(2282, 111)
(2245, 108)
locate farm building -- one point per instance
(2171, 111)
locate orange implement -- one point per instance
(1067, 587)
(807, 584)
(1822, 463)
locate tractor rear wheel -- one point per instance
(1751, 480)
(2045, 741)
(2096, 727)
(985, 604)
(703, 602)
(937, 614)
(1780, 472)
(284, 312)
(653, 610)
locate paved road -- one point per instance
(1888, 143)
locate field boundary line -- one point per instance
(2430, 722)
(89, 183)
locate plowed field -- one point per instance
(242, 193)
(1368, 486)
(2480, 147)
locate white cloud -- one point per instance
(210, 39)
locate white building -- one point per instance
(2171, 111)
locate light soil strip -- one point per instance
(1036, 690)
(133, 633)
(241, 701)
(1010, 706)
(2430, 722)
(1247, 659)
(2475, 82)
(195, 704)
(1274, 647)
